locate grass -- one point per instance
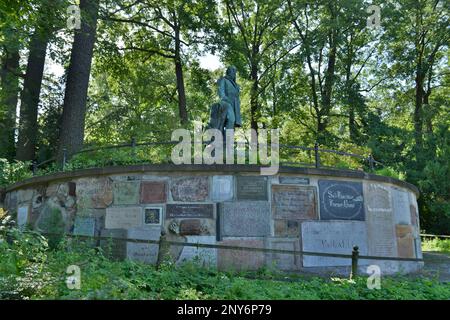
(105, 279)
(30, 269)
(436, 245)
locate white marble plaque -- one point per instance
(332, 237)
(222, 188)
(123, 217)
(402, 213)
(22, 216)
(380, 221)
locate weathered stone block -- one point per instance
(287, 228)
(113, 246)
(143, 252)
(205, 256)
(332, 237)
(380, 221)
(84, 226)
(294, 202)
(93, 193)
(24, 196)
(232, 259)
(245, 219)
(189, 189)
(126, 192)
(405, 241)
(283, 261)
(123, 217)
(402, 214)
(153, 192)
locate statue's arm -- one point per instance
(221, 89)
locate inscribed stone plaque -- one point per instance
(190, 189)
(341, 200)
(190, 211)
(22, 216)
(24, 196)
(222, 188)
(206, 256)
(381, 234)
(93, 193)
(332, 237)
(152, 216)
(400, 200)
(294, 202)
(123, 218)
(126, 192)
(283, 261)
(293, 180)
(380, 221)
(84, 226)
(143, 252)
(229, 259)
(112, 247)
(245, 219)
(405, 241)
(153, 192)
(287, 228)
(190, 227)
(251, 188)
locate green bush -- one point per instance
(436, 244)
(28, 270)
(11, 172)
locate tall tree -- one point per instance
(318, 28)
(14, 20)
(9, 81)
(46, 24)
(165, 27)
(256, 30)
(29, 98)
(75, 99)
(417, 31)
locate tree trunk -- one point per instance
(29, 98)
(8, 101)
(75, 99)
(180, 80)
(418, 121)
(254, 104)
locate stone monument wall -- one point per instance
(310, 210)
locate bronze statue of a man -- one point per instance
(226, 114)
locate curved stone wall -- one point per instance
(315, 210)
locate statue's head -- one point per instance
(231, 72)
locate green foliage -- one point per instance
(436, 244)
(105, 279)
(312, 69)
(51, 221)
(11, 172)
(23, 258)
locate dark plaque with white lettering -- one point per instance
(341, 200)
(190, 211)
(251, 188)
